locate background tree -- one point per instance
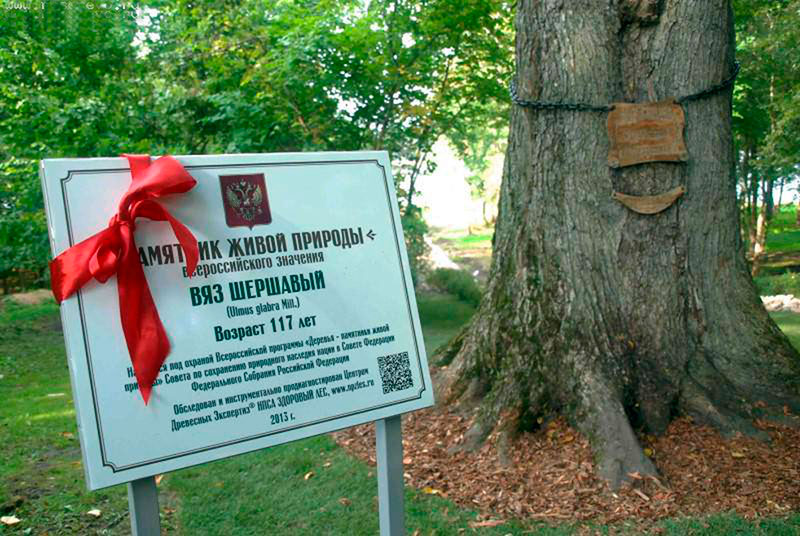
(65, 90)
(331, 74)
(252, 76)
(477, 146)
(618, 320)
(766, 117)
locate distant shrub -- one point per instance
(24, 248)
(414, 229)
(456, 282)
(786, 283)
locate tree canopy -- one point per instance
(766, 109)
(64, 90)
(229, 77)
(185, 77)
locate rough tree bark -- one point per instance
(618, 320)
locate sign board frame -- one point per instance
(61, 180)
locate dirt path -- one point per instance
(34, 297)
(474, 260)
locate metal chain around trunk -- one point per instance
(585, 107)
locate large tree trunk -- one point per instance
(619, 320)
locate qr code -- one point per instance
(395, 372)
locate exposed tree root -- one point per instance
(699, 406)
(500, 403)
(605, 423)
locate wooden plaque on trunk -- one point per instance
(646, 132)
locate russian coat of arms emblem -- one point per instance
(245, 200)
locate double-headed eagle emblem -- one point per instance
(245, 199)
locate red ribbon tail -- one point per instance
(144, 333)
(145, 392)
(187, 241)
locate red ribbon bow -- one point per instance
(114, 250)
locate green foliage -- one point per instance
(327, 74)
(24, 249)
(458, 283)
(485, 133)
(476, 145)
(442, 317)
(245, 77)
(786, 283)
(768, 89)
(766, 98)
(414, 229)
(66, 89)
(232, 77)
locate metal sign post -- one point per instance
(143, 493)
(143, 506)
(389, 450)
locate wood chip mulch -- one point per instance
(551, 476)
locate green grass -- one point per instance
(441, 316)
(789, 324)
(784, 218)
(41, 456)
(783, 254)
(41, 478)
(783, 235)
(785, 283)
(471, 241)
(725, 524)
(784, 242)
(265, 492)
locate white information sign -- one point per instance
(301, 320)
